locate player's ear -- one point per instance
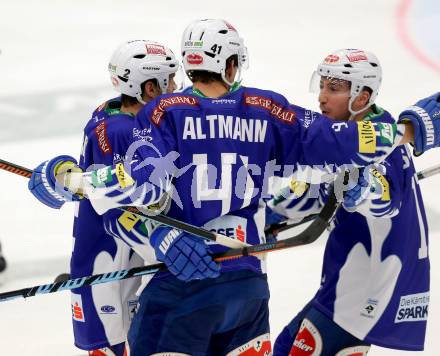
(151, 90)
(231, 63)
(363, 98)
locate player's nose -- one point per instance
(322, 98)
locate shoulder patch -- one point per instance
(158, 111)
(101, 135)
(274, 108)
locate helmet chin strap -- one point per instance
(354, 112)
(139, 98)
(234, 82)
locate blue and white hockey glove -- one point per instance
(186, 256)
(367, 189)
(44, 186)
(425, 118)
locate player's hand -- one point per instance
(186, 256)
(425, 118)
(44, 186)
(367, 189)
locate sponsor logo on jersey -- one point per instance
(101, 176)
(413, 307)
(194, 58)
(308, 341)
(132, 308)
(108, 309)
(357, 56)
(101, 134)
(260, 346)
(229, 225)
(387, 133)
(77, 308)
(240, 234)
(367, 137)
(385, 185)
(123, 177)
(164, 103)
(331, 58)
(155, 49)
(274, 108)
(370, 307)
(128, 220)
(143, 135)
(354, 351)
(223, 101)
(309, 117)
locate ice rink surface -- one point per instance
(53, 73)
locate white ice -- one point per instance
(53, 73)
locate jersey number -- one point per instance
(206, 176)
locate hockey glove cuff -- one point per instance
(425, 118)
(44, 186)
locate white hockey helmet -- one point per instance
(360, 68)
(135, 62)
(207, 44)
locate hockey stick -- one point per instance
(275, 229)
(309, 235)
(180, 225)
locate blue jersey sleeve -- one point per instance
(147, 168)
(326, 141)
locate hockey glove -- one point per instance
(365, 191)
(186, 256)
(425, 118)
(44, 186)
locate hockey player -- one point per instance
(375, 277)
(140, 70)
(212, 149)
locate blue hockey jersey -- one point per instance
(375, 276)
(102, 313)
(214, 158)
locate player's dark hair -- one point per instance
(368, 89)
(127, 100)
(206, 77)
